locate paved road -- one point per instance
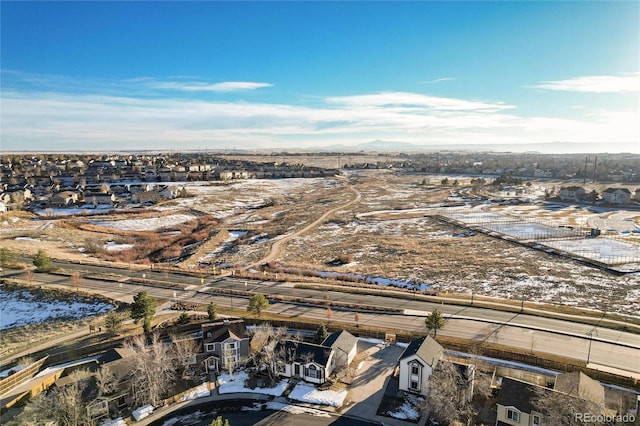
(600, 346)
(616, 221)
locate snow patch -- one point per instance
(20, 307)
(142, 412)
(197, 392)
(237, 385)
(295, 409)
(308, 393)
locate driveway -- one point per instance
(369, 385)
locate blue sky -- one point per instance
(178, 75)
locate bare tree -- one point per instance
(153, 370)
(29, 276)
(63, 405)
(444, 399)
(106, 381)
(75, 280)
(268, 355)
(185, 351)
(229, 360)
(562, 408)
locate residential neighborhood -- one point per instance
(205, 365)
(100, 182)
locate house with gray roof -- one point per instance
(345, 346)
(224, 343)
(309, 362)
(617, 196)
(417, 362)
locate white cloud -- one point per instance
(48, 120)
(386, 99)
(197, 86)
(439, 80)
(624, 83)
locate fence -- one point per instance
(603, 249)
(22, 375)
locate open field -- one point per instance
(391, 232)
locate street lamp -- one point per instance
(590, 334)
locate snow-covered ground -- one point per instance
(20, 307)
(233, 236)
(237, 385)
(305, 392)
(407, 411)
(12, 370)
(526, 230)
(113, 246)
(197, 392)
(295, 409)
(599, 249)
(142, 412)
(145, 224)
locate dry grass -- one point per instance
(387, 243)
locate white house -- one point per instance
(306, 361)
(617, 196)
(345, 346)
(417, 363)
(574, 193)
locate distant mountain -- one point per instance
(546, 148)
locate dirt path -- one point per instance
(277, 247)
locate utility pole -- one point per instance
(584, 181)
(595, 168)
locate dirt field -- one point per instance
(390, 232)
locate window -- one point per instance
(536, 419)
(415, 369)
(513, 414)
(414, 385)
(209, 347)
(312, 372)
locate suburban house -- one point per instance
(517, 399)
(417, 363)
(617, 196)
(99, 198)
(345, 346)
(152, 196)
(573, 193)
(515, 404)
(224, 343)
(64, 198)
(306, 361)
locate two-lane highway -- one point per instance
(603, 348)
